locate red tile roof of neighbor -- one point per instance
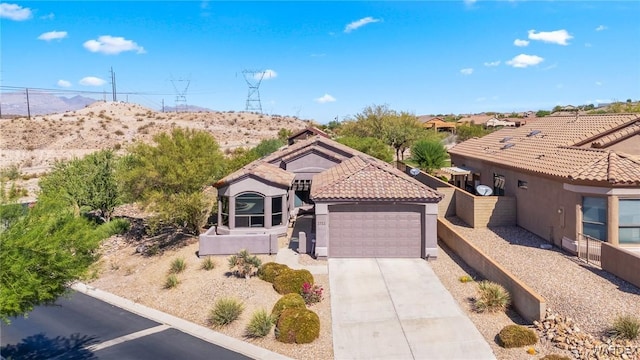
(368, 179)
(557, 148)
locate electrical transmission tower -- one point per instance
(181, 86)
(253, 79)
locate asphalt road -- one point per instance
(80, 327)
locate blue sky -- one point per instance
(328, 59)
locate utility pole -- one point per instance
(162, 105)
(113, 84)
(28, 109)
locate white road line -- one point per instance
(128, 337)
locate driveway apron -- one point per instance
(398, 309)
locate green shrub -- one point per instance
(225, 311)
(208, 264)
(171, 281)
(291, 281)
(177, 266)
(288, 301)
(300, 326)
(492, 297)
(626, 327)
(512, 336)
(259, 325)
(270, 270)
(243, 264)
(555, 357)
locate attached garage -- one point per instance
(367, 208)
(394, 231)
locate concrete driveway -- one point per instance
(398, 309)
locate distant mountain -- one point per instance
(188, 108)
(15, 103)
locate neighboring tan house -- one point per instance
(362, 206)
(493, 122)
(437, 124)
(571, 175)
(479, 119)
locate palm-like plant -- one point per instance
(429, 154)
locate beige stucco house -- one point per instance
(362, 207)
(571, 175)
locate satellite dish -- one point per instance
(484, 190)
(414, 171)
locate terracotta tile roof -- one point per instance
(261, 170)
(317, 142)
(368, 179)
(311, 130)
(553, 149)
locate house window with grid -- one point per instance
(594, 217)
(249, 210)
(629, 221)
(498, 184)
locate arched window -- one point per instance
(250, 210)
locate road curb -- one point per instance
(187, 327)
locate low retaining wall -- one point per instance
(527, 302)
(213, 244)
(621, 263)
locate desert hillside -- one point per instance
(34, 145)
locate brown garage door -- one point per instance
(375, 231)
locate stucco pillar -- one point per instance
(219, 210)
(322, 234)
(285, 210)
(267, 212)
(612, 220)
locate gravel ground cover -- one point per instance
(587, 294)
(139, 278)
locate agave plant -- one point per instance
(243, 264)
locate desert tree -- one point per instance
(44, 250)
(170, 175)
(88, 183)
(368, 145)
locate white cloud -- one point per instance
(91, 81)
(469, 2)
(49, 16)
(481, 99)
(326, 98)
(360, 23)
(14, 12)
(559, 37)
(601, 27)
(492, 63)
(268, 74)
(587, 44)
(111, 45)
(52, 35)
(520, 42)
(524, 60)
(599, 83)
(466, 71)
(64, 83)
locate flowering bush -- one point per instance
(311, 293)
